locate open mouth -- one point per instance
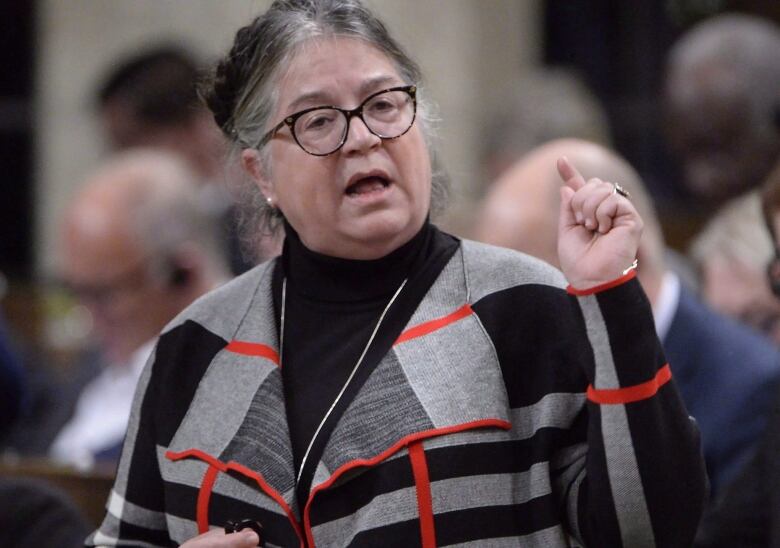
(367, 185)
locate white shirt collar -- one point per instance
(665, 306)
(102, 412)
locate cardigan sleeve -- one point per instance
(641, 481)
(135, 513)
(137, 506)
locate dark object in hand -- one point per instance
(239, 525)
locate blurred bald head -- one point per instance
(137, 246)
(521, 209)
(722, 95)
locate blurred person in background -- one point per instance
(748, 515)
(770, 207)
(36, 514)
(13, 380)
(731, 253)
(727, 374)
(149, 99)
(138, 246)
(544, 103)
(722, 95)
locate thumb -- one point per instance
(249, 538)
(566, 214)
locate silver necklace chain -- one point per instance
(351, 375)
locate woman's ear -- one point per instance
(253, 165)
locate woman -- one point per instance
(383, 383)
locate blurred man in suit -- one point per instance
(726, 373)
(13, 381)
(138, 245)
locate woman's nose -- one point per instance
(359, 137)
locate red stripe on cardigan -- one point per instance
(241, 469)
(603, 287)
(198, 454)
(204, 495)
(216, 464)
(253, 349)
(411, 438)
(434, 325)
(642, 391)
(422, 484)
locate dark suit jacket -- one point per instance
(728, 376)
(13, 384)
(34, 514)
(748, 515)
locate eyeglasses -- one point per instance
(105, 292)
(321, 131)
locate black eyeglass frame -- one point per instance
(348, 113)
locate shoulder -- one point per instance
(720, 330)
(490, 269)
(189, 343)
(722, 342)
(222, 310)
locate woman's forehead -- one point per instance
(324, 70)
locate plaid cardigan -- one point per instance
(508, 413)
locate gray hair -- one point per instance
(242, 90)
(168, 206)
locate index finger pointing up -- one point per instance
(569, 174)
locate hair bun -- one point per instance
(221, 90)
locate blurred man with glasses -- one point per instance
(137, 247)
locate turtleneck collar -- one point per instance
(331, 279)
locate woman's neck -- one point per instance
(325, 278)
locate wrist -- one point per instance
(628, 274)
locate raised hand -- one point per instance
(598, 230)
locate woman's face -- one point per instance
(369, 197)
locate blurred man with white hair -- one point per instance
(137, 247)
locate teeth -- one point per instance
(366, 185)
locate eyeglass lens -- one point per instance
(386, 115)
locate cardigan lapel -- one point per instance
(238, 413)
(435, 379)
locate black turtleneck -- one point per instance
(332, 306)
